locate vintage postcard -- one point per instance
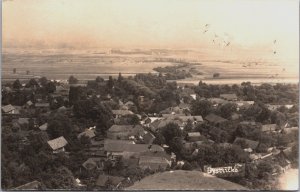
(149, 95)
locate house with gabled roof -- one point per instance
(124, 131)
(43, 127)
(9, 109)
(115, 146)
(129, 104)
(194, 136)
(148, 138)
(58, 144)
(244, 104)
(250, 143)
(28, 104)
(120, 113)
(185, 119)
(104, 180)
(94, 163)
(153, 163)
(42, 105)
(90, 133)
(269, 127)
(217, 101)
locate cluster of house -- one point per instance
(132, 145)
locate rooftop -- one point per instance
(57, 143)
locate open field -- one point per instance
(87, 65)
(184, 180)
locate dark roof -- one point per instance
(252, 144)
(103, 179)
(148, 137)
(22, 121)
(122, 112)
(93, 142)
(156, 154)
(229, 96)
(212, 118)
(130, 162)
(134, 148)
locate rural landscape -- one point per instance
(97, 108)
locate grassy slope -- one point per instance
(184, 180)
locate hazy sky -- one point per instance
(151, 23)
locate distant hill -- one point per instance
(184, 180)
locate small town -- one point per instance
(109, 134)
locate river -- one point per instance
(289, 180)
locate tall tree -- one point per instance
(72, 80)
(201, 107)
(17, 84)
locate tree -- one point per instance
(95, 111)
(187, 166)
(120, 78)
(218, 135)
(227, 109)
(43, 81)
(72, 80)
(99, 79)
(201, 107)
(50, 87)
(17, 84)
(170, 131)
(159, 139)
(278, 118)
(110, 83)
(58, 178)
(176, 146)
(59, 125)
(75, 94)
(264, 114)
(32, 83)
(264, 167)
(189, 126)
(216, 75)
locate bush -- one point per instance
(216, 75)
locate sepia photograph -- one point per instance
(133, 95)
